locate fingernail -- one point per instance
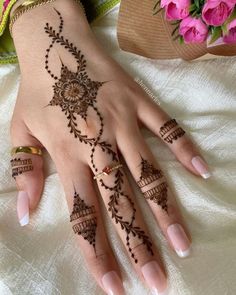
(154, 277)
(112, 284)
(23, 208)
(201, 166)
(179, 240)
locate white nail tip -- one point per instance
(183, 254)
(24, 220)
(206, 175)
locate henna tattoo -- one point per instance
(20, 166)
(87, 224)
(158, 193)
(19, 162)
(149, 174)
(167, 129)
(174, 135)
(75, 93)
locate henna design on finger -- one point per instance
(158, 193)
(167, 127)
(149, 174)
(87, 222)
(75, 93)
(168, 134)
(126, 222)
(20, 166)
(174, 135)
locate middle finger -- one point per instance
(119, 201)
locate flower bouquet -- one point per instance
(197, 21)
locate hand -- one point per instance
(79, 105)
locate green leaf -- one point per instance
(231, 17)
(181, 40)
(192, 7)
(224, 29)
(216, 33)
(197, 3)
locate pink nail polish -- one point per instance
(201, 166)
(23, 208)
(179, 240)
(112, 284)
(154, 277)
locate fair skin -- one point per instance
(118, 108)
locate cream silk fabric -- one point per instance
(43, 258)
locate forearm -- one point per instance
(31, 41)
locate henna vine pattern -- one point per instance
(87, 224)
(75, 93)
(170, 131)
(158, 193)
(20, 166)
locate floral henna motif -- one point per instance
(20, 166)
(170, 131)
(87, 224)
(75, 93)
(158, 193)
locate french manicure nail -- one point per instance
(23, 208)
(112, 284)
(201, 166)
(154, 277)
(179, 240)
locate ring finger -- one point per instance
(155, 189)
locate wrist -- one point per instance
(31, 40)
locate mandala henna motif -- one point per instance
(170, 131)
(20, 166)
(87, 225)
(158, 193)
(75, 93)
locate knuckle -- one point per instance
(97, 261)
(140, 251)
(185, 147)
(62, 149)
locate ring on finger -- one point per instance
(108, 170)
(27, 149)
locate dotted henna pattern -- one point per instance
(20, 166)
(75, 93)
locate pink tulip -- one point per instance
(193, 30)
(231, 36)
(176, 9)
(215, 12)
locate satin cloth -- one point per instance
(42, 258)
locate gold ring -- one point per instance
(107, 170)
(27, 149)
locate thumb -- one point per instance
(27, 170)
